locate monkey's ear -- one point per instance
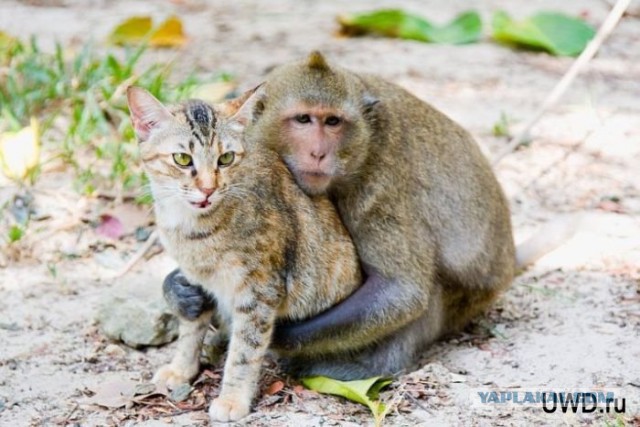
(369, 103)
(246, 105)
(146, 111)
(316, 61)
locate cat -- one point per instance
(230, 213)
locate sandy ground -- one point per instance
(571, 322)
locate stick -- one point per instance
(587, 54)
(151, 240)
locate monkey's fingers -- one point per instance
(186, 299)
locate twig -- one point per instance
(68, 416)
(587, 54)
(151, 240)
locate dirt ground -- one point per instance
(570, 323)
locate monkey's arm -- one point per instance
(376, 309)
(379, 307)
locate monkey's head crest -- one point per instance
(316, 61)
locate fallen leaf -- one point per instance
(139, 29)
(169, 34)
(274, 388)
(113, 393)
(131, 216)
(20, 151)
(110, 227)
(131, 31)
(362, 391)
(553, 32)
(180, 393)
(144, 388)
(396, 23)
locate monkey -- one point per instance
(429, 219)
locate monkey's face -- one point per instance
(313, 135)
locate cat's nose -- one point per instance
(207, 191)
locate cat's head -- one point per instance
(189, 157)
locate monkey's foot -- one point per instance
(226, 410)
(173, 376)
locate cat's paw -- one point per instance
(172, 376)
(226, 410)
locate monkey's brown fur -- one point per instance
(429, 219)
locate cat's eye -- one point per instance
(332, 121)
(227, 158)
(303, 118)
(182, 159)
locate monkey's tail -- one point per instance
(551, 236)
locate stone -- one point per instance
(137, 322)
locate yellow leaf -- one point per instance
(131, 31)
(7, 43)
(169, 34)
(20, 151)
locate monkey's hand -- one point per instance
(186, 299)
(379, 307)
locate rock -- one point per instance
(138, 322)
(115, 351)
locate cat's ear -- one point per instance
(146, 112)
(242, 108)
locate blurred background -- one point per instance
(76, 223)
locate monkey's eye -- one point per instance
(226, 159)
(182, 159)
(303, 118)
(332, 121)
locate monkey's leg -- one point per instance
(187, 300)
(391, 356)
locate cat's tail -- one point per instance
(552, 235)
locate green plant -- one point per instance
(501, 127)
(79, 99)
(364, 392)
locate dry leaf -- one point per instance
(274, 388)
(113, 394)
(110, 227)
(131, 216)
(20, 151)
(131, 31)
(169, 34)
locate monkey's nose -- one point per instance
(318, 156)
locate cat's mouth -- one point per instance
(201, 205)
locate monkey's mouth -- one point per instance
(314, 181)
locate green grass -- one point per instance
(80, 103)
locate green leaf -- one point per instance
(553, 32)
(364, 392)
(465, 28)
(15, 233)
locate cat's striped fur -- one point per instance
(264, 249)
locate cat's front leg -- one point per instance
(253, 321)
(185, 364)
